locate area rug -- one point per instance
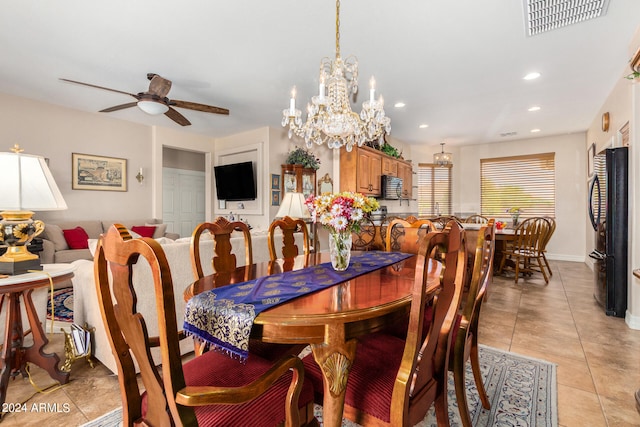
(62, 305)
(522, 392)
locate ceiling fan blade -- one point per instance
(159, 86)
(177, 117)
(119, 107)
(100, 87)
(198, 107)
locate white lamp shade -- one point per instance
(152, 107)
(27, 184)
(293, 206)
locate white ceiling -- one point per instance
(458, 65)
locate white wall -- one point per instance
(55, 132)
(568, 242)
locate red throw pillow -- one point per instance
(76, 238)
(144, 230)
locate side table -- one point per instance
(14, 355)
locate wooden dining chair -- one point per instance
(464, 343)
(289, 227)
(525, 253)
(223, 260)
(363, 240)
(210, 390)
(476, 219)
(404, 236)
(543, 249)
(394, 381)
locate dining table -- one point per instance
(329, 320)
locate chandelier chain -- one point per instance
(337, 28)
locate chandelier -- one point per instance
(442, 158)
(329, 115)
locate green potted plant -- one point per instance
(304, 157)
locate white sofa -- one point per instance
(86, 307)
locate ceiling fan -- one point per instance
(154, 101)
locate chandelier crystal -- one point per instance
(442, 158)
(330, 119)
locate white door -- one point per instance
(183, 201)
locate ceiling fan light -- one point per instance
(153, 107)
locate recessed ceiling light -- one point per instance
(534, 108)
(399, 104)
(535, 130)
(423, 126)
(532, 76)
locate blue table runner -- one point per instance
(224, 316)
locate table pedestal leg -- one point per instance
(334, 358)
(14, 355)
(35, 354)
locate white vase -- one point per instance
(340, 250)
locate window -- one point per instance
(525, 182)
(434, 189)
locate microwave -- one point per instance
(391, 187)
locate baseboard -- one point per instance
(633, 322)
(559, 257)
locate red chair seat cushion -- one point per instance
(215, 368)
(371, 378)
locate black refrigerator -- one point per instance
(608, 211)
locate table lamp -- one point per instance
(26, 185)
(294, 207)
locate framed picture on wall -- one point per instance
(275, 181)
(275, 197)
(91, 172)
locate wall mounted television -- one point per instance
(235, 181)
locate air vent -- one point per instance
(547, 15)
(505, 134)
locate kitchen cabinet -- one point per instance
(405, 171)
(360, 171)
(389, 166)
(362, 168)
(298, 179)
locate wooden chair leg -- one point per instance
(546, 262)
(442, 408)
(477, 375)
(461, 392)
(199, 347)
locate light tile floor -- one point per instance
(598, 357)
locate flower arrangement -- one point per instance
(514, 211)
(304, 157)
(340, 212)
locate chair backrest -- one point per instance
(552, 229)
(480, 278)
(363, 239)
(476, 219)
(223, 260)
(288, 226)
(405, 236)
(425, 362)
(530, 235)
(118, 252)
(441, 221)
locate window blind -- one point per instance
(525, 182)
(434, 189)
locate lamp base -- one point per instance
(12, 267)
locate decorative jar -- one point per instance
(340, 250)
